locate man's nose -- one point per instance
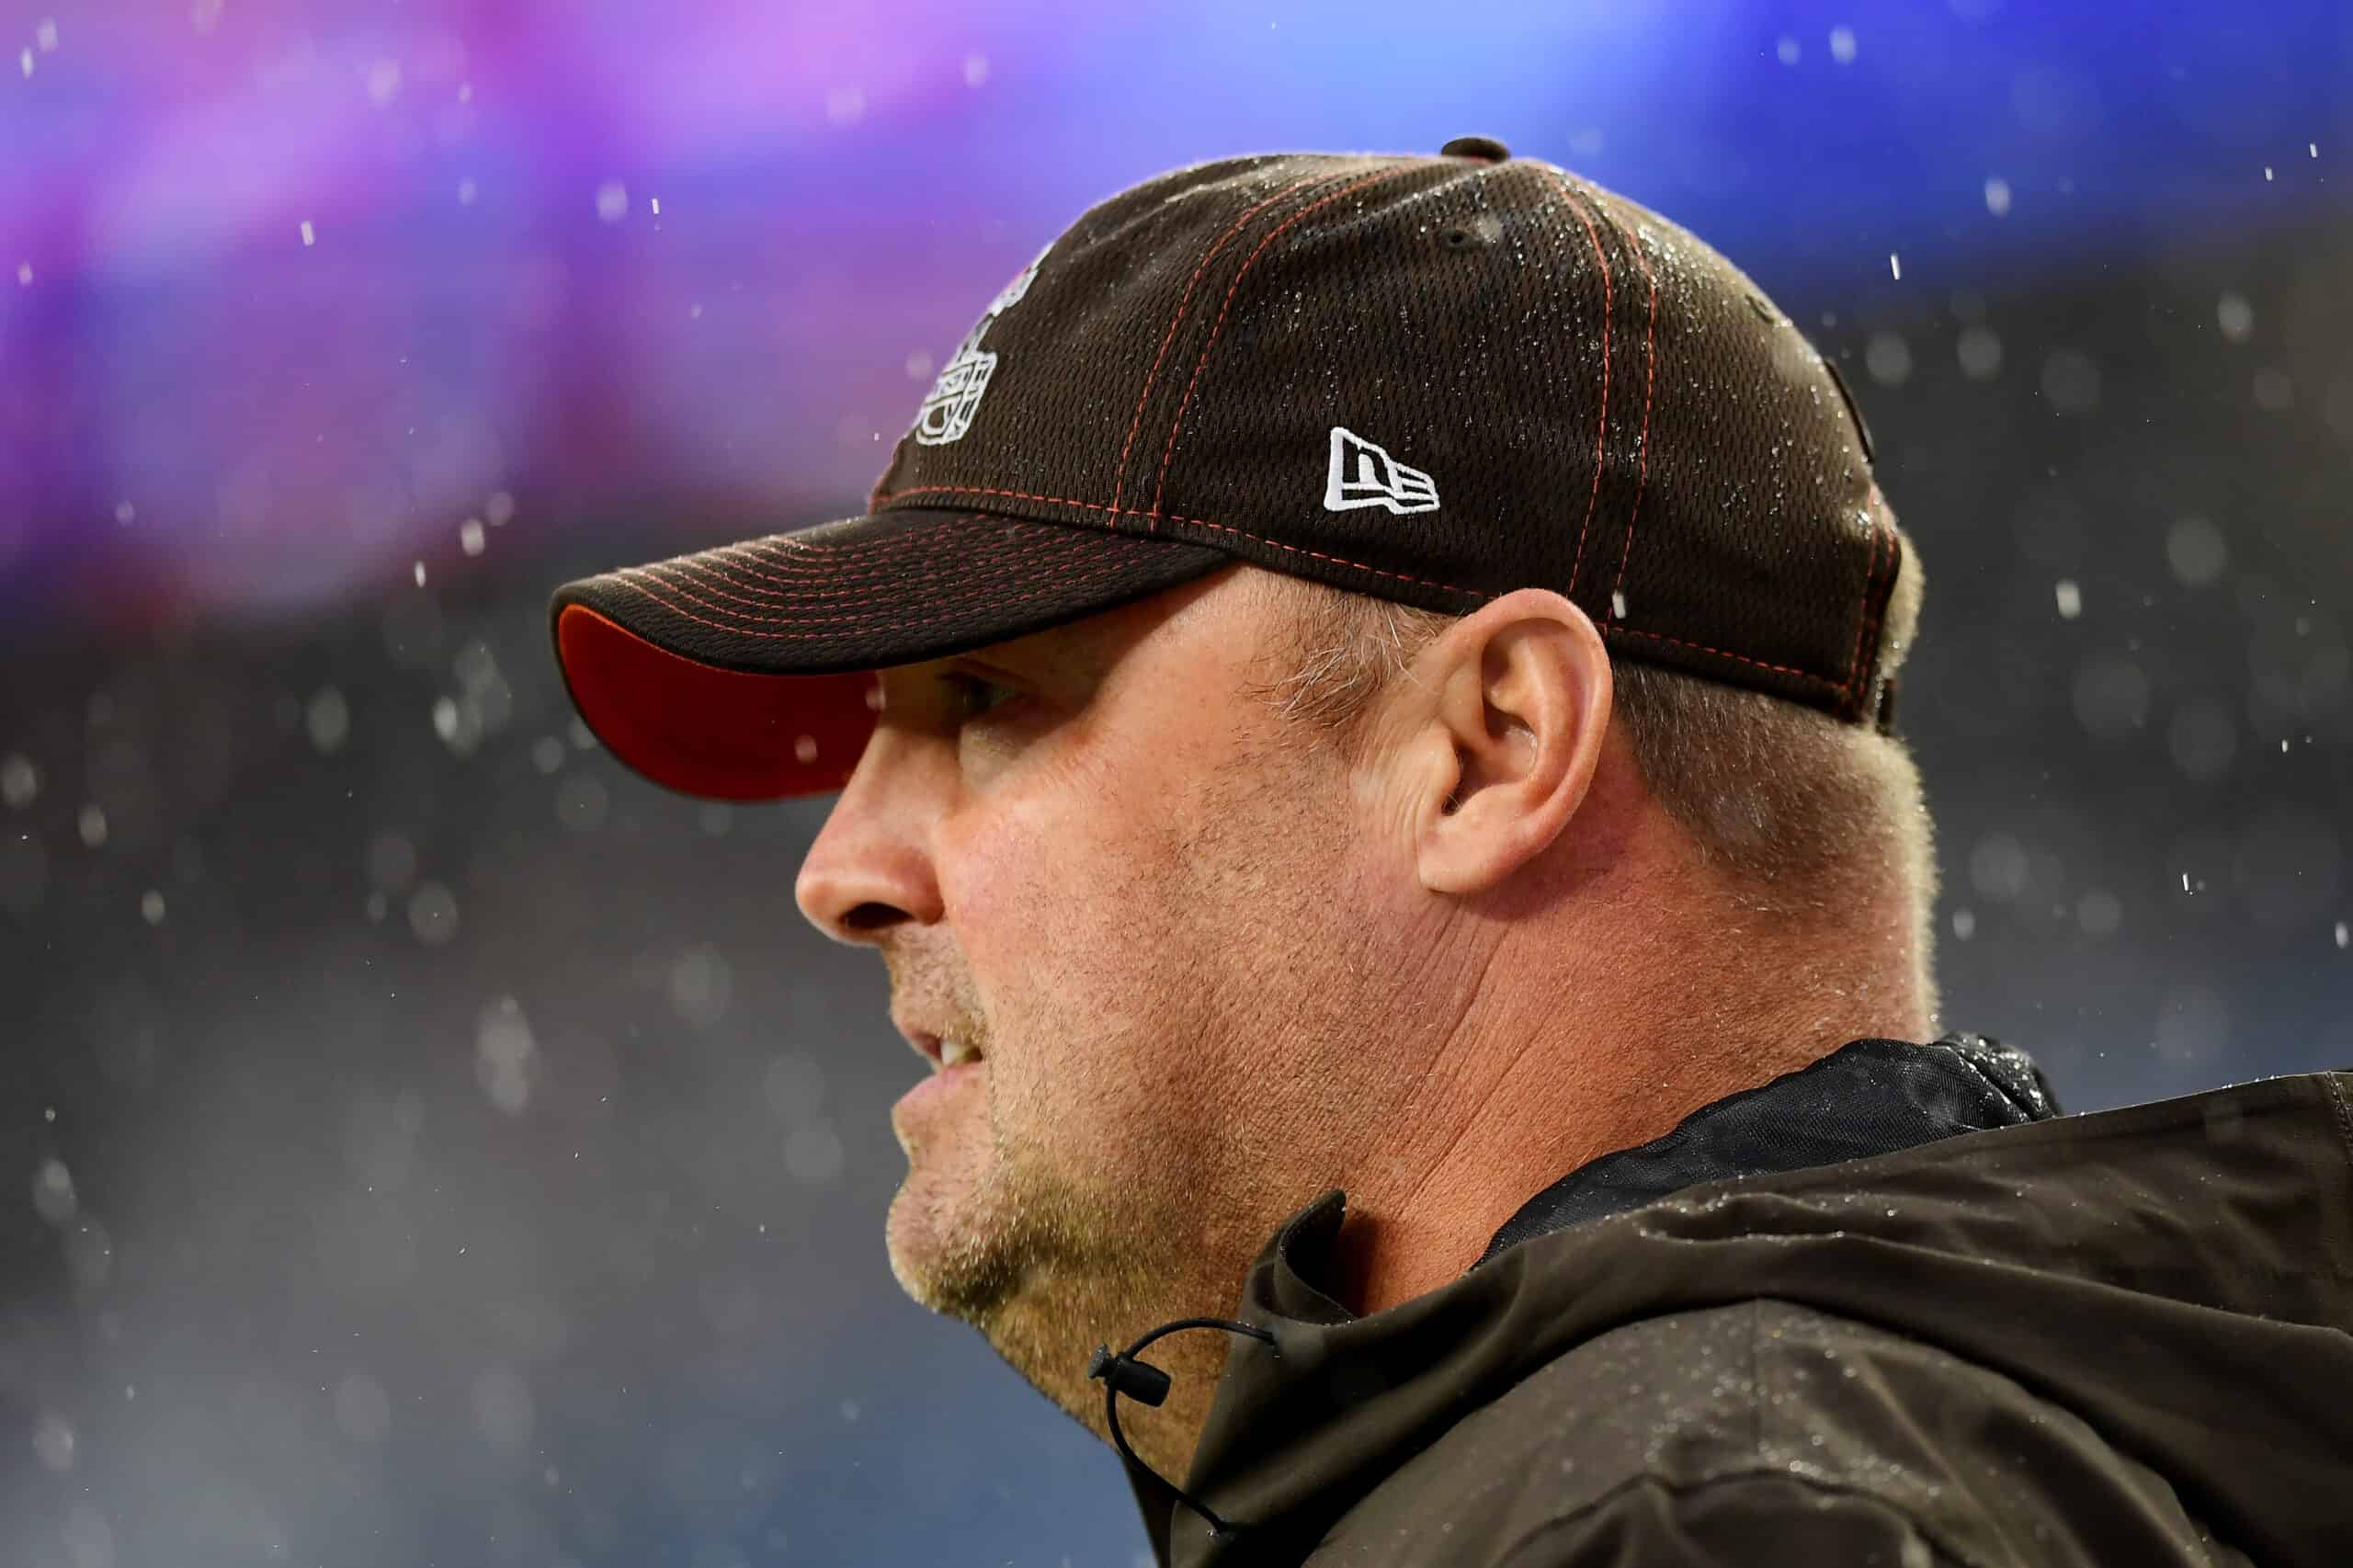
(871, 866)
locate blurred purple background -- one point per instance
(432, 1144)
(300, 287)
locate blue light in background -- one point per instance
(486, 293)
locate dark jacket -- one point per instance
(1893, 1309)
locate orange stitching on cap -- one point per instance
(1608, 309)
(1204, 523)
(664, 572)
(793, 548)
(1170, 450)
(1614, 628)
(1037, 541)
(800, 564)
(1136, 424)
(1024, 495)
(834, 624)
(1621, 628)
(708, 575)
(1862, 618)
(866, 623)
(827, 558)
(1650, 386)
(1336, 559)
(824, 585)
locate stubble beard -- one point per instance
(1047, 1271)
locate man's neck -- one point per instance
(1503, 1117)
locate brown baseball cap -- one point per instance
(1429, 380)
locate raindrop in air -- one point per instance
(19, 780)
(699, 984)
(1981, 353)
(53, 1195)
(2196, 550)
(53, 1441)
(2235, 315)
(1888, 358)
(507, 1059)
(433, 914)
(2098, 912)
(580, 802)
(327, 718)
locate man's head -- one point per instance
(1368, 672)
(1237, 912)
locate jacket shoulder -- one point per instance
(1690, 1408)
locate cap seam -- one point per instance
(710, 575)
(1832, 683)
(1119, 474)
(1176, 428)
(1202, 523)
(834, 624)
(868, 624)
(1601, 435)
(664, 572)
(826, 554)
(1650, 391)
(1878, 598)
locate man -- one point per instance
(1363, 716)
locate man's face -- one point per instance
(1155, 911)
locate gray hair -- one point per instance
(1799, 814)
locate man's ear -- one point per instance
(1513, 702)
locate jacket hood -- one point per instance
(1934, 1191)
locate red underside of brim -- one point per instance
(722, 734)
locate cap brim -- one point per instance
(746, 673)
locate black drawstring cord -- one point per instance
(1123, 1374)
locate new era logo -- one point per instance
(1363, 474)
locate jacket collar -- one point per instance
(1871, 1096)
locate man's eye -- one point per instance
(976, 697)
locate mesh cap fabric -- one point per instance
(1431, 379)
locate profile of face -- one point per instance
(1186, 944)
